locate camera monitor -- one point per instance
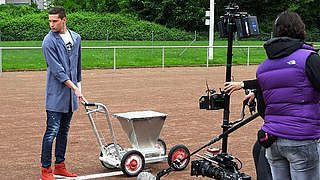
(222, 29)
(253, 25)
(246, 26)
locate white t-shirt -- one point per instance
(66, 37)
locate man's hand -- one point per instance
(79, 95)
(230, 87)
(76, 90)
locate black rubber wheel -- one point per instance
(132, 163)
(179, 152)
(162, 145)
(111, 151)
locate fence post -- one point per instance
(248, 57)
(0, 56)
(162, 58)
(114, 59)
(195, 49)
(207, 58)
(0, 61)
(107, 45)
(152, 38)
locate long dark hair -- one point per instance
(289, 24)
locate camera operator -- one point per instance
(262, 166)
(290, 84)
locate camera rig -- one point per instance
(213, 100)
(215, 164)
(246, 25)
(219, 164)
(225, 168)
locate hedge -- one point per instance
(91, 26)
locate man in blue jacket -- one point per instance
(62, 50)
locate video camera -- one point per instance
(220, 166)
(212, 101)
(224, 169)
(246, 25)
(215, 101)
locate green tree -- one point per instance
(190, 14)
(183, 14)
(101, 6)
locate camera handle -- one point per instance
(214, 140)
(251, 108)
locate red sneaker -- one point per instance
(46, 174)
(60, 169)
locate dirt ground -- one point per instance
(174, 91)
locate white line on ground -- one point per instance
(92, 176)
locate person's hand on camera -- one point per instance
(250, 96)
(230, 87)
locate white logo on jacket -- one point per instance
(292, 62)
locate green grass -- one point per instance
(33, 59)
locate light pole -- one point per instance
(211, 29)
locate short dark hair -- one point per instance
(289, 24)
(58, 10)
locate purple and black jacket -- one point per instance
(292, 104)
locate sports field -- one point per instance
(174, 91)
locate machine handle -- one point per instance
(85, 103)
(89, 104)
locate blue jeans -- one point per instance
(294, 160)
(58, 125)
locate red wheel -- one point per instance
(132, 163)
(179, 152)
